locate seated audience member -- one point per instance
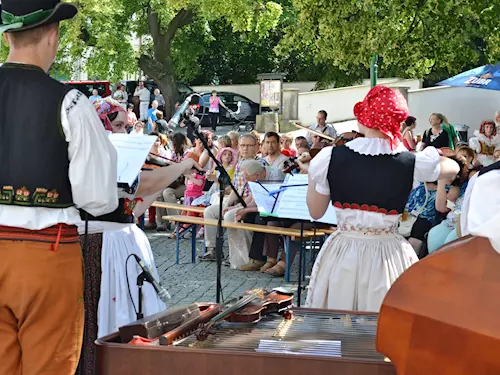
(303, 159)
(409, 140)
(437, 135)
(321, 126)
(286, 146)
(424, 206)
(484, 143)
(224, 141)
(235, 138)
(246, 151)
(448, 230)
(239, 241)
(301, 142)
(274, 158)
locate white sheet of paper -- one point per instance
(292, 202)
(264, 201)
(132, 153)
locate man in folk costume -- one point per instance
(54, 160)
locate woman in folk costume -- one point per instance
(485, 142)
(359, 262)
(111, 239)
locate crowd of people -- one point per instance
(431, 212)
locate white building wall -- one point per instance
(252, 91)
(339, 103)
(460, 105)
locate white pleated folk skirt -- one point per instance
(358, 264)
(115, 304)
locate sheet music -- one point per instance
(132, 153)
(264, 201)
(292, 202)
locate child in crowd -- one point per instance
(300, 142)
(496, 154)
(131, 117)
(224, 141)
(194, 186)
(194, 181)
(138, 128)
(303, 159)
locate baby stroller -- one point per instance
(244, 111)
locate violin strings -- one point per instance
(311, 333)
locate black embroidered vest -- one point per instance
(492, 167)
(33, 151)
(379, 183)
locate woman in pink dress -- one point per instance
(214, 110)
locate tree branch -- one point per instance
(153, 68)
(181, 19)
(154, 25)
(159, 39)
(415, 17)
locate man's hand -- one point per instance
(226, 210)
(188, 164)
(240, 215)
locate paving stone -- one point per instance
(196, 282)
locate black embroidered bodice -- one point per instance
(492, 167)
(380, 183)
(33, 151)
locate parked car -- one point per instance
(86, 87)
(244, 110)
(151, 86)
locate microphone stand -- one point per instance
(224, 182)
(140, 283)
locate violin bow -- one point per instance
(205, 330)
(322, 135)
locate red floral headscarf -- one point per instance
(384, 109)
(105, 107)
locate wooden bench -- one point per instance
(289, 234)
(180, 207)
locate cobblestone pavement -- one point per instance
(195, 282)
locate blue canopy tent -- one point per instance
(485, 77)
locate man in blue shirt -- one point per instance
(152, 116)
(95, 96)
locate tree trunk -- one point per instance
(160, 68)
(165, 81)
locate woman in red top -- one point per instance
(408, 139)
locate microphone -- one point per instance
(162, 293)
(177, 117)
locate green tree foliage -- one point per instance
(163, 19)
(102, 34)
(214, 53)
(415, 38)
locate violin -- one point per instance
(292, 165)
(267, 303)
(343, 138)
(250, 308)
(152, 162)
